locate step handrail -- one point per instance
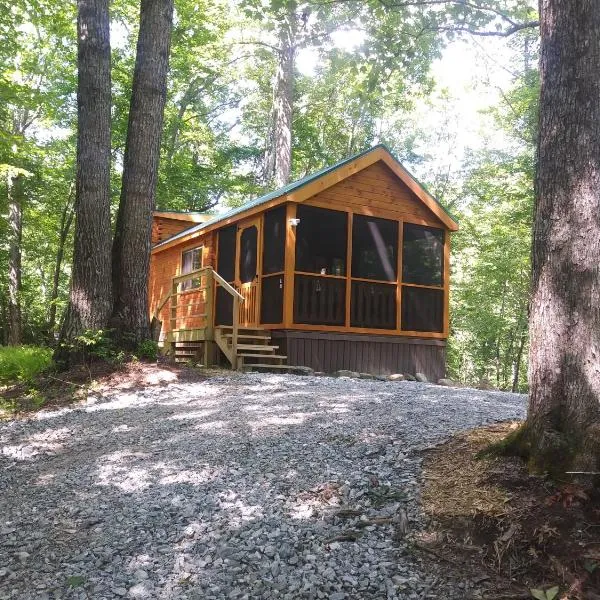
(218, 279)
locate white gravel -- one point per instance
(229, 489)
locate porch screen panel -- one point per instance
(226, 253)
(374, 248)
(319, 300)
(321, 240)
(423, 255)
(271, 305)
(274, 240)
(422, 309)
(373, 305)
(225, 268)
(248, 267)
(224, 307)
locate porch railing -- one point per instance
(194, 304)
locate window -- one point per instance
(321, 241)
(422, 255)
(274, 240)
(422, 309)
(374, 248)
(191, 260)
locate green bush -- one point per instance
(147, 349)
(20, 363)
(100, 344)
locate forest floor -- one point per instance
(509, 530)
(169, 483)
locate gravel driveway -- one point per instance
(240, 486)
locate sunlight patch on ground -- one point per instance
(50, 441)
(197, 414)
(291, 419)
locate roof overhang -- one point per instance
(310, 186)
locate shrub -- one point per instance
(147, 349)
(99, 344)
(20, 363)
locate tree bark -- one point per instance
(15, 233)
(90, 299)
(279, 156)
(132, 243)
(563, 424)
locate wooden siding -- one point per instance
(163, 228)
(374, 354)
(165, 266)
(376, 191)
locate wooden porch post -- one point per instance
(289, 267)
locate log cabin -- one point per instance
(347, 268)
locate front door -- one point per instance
(247, 271)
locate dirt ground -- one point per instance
(63, 389)
(505, 528)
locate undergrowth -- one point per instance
(22, 363)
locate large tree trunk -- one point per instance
(15, 233)
(279, 155)
(132, 244)
(563, 423)
(90, 300)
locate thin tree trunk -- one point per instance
(15, 233)
(66, 220)
(90, 299)
(518, 359)
(563, 422)
(279, 156)
(132, 243)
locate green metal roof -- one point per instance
(282, 191)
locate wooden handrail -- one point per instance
(213, 276)
(227, 286)
(191, 275)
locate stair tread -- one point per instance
(247, 355)
(265, 366)
(250, 336)
(240, 329)
(256, 347)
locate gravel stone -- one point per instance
(230, 488)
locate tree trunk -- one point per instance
(66, 220)
(279, 156)
(90, 299)
(132, 243)
(15, 233)
(563, 424)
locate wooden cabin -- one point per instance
(347, 268)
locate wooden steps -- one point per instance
(188, 351)
(253, 345)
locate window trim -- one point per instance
(191, 284)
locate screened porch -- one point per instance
(302, 266)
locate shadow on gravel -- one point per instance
(226, 487)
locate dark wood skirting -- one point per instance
(375, 354)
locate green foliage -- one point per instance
(491, 253)
(75, 581)
(548, 594)
(99, 344)
(22, 363)
(147, 349)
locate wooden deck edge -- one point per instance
(355, 337)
